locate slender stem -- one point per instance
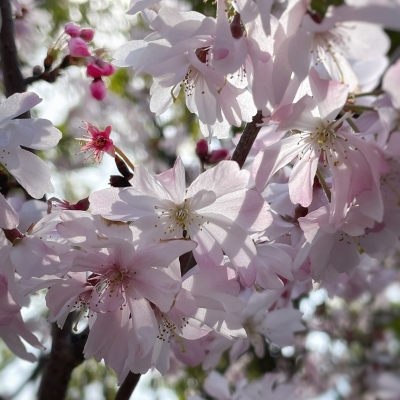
(247, 139)
(13, 80)
(324, 185)
(124, 157)
(353, 125)
(354, 107)
(128, 386)
(373, 93)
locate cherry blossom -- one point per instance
(98, 142)
(29, 170)
(12, 327)
(355, 164)
(211, 212)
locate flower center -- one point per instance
(181, 215)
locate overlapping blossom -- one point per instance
(216, 211)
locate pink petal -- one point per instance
(273, 158)
(302, 178)
(173, 181)
(8, 216)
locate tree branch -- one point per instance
(128, 386)
(247, 139)
(13, 80)
(65, 355)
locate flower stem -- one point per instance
(357, 108)
(373, 93)
(324, 185)
(124, 157)
(353, 125)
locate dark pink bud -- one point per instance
(202, 149)
(99, 68)
(108, 69)
(98, 89)
(94, 71)
(78, 47)
(87, 34)
(217, 155)
(72, 29)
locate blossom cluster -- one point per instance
(162, 269)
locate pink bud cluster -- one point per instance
(96, 67)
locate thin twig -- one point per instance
(247, 139)
(128, 386)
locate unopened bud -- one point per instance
(98, 89)
(78, 47)
(72, 29)
(87, 34)
(202, 150)
(217, 155)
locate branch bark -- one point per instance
(65, 355)
(247, 139)
(128, 386)
(13, 80)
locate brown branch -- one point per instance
(65, 355)
(128, 386)
(13, 80)
(247, 139)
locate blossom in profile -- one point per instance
(30, 171)
(98, 142)
(12, 326)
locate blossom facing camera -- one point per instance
(98, 142)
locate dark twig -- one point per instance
(247, 139)
(128, 386)
(13, 80)
(65, 355)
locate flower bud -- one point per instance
(98, 89)
(78, 47)
(87, 34)
(72, 30)
(202, 150)
(217, 155)
(99, 68)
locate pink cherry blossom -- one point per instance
(98, 142)
(355, 164)
(216, 211)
